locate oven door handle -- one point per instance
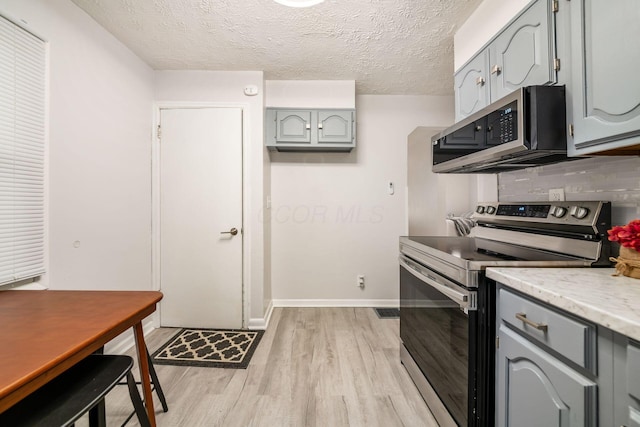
(462, 299)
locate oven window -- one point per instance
(435, 332)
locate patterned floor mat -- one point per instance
(215, 348)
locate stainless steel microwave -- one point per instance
(523, 129)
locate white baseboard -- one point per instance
(125, 341)
(382, 303)
(261, 323)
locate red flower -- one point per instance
(627, 235)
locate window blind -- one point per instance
(22, 136)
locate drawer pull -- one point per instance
(539, 326)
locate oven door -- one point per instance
(438, 327)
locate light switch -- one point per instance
(391, 188)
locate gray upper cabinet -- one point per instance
(471, 86)
(605, 86)
(522, 54)
(310, 130)
(335, 127)
(293, 126)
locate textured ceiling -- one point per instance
(386, 46)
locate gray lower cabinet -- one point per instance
(522, 54)
(626, 388)
(605, 87)
(544, 366)
(310, 130)
(536, 389)
(556, 369)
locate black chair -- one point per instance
(75, 392)
(155, 387)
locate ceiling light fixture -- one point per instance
(299, 3)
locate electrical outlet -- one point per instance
(360, 282)
(556, 194)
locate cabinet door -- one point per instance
(535, 389)
(605, 41)
(471, 136)
(293, 126)
(335, 127)
(523, 54)
(626, 381)
(471, 86)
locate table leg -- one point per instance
(143, 363)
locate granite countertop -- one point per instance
(591, 293)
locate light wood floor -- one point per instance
(316, 367)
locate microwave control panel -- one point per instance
(508, 123)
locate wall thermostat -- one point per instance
(251, 90)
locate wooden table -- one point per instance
(43, 333)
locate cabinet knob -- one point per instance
(496, 69)
(480, 81)
(308, 126)
(319, 125)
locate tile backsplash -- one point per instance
(615, 179)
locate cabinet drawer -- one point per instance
(572, 338)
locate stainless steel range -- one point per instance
(447, 305)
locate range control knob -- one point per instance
(491, 210)
(558, 211)
(578, 212)
(480, 209)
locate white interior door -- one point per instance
(200, 203)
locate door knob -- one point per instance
(233, 231)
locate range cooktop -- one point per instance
(484, 251)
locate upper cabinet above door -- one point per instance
(293, 126)
(522, 54)
(605, 77)
(335, 126)
(320, 130)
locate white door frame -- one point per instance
(155, 197)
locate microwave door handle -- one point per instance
(458, 297)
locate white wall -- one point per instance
(431, 196)
(332, 217)
(310, 93)
(98, 151)
(226, 87)
(481, 26)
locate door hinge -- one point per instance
(571, 130)
(556, 6)
(158, 132)
(497, 342)
(556, 64)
